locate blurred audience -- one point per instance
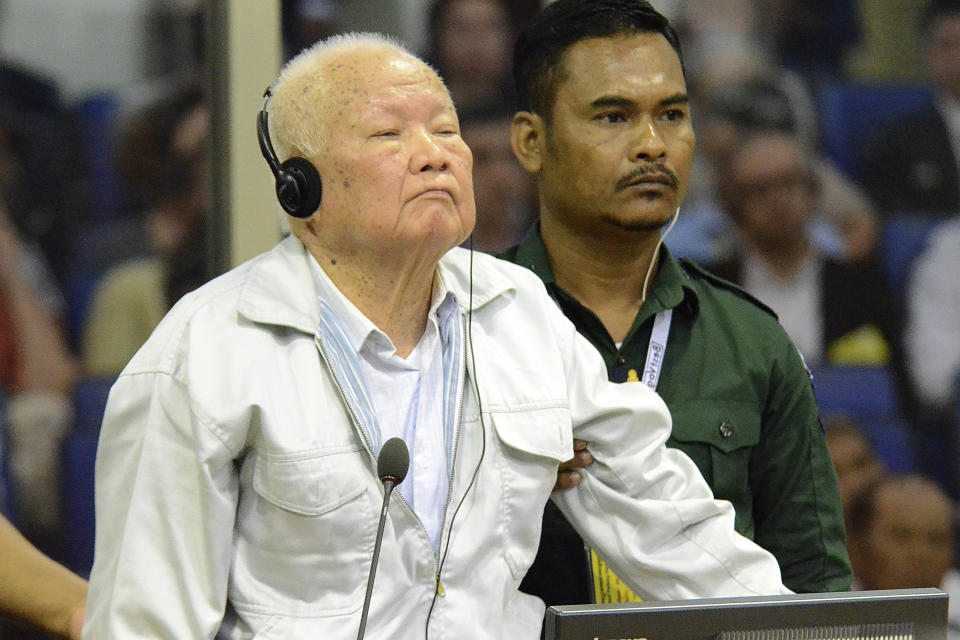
(505, 193)
(470, 46)
(933, 328)
(304, 22)
(39, 130)
(835, 311)
(811, 37)
(854, 459)
(37, 373)
(914, 165)
(901, 536)
(844, 225)
(165, 151)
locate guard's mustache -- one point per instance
(648, 172)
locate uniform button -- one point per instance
(726, 430)
(621, 360)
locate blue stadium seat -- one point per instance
(903, 238)
(79, 454)
(77, 459)
(97, 115)
(851, 114)
(868, 395)
(857, 390)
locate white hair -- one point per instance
(296, 126)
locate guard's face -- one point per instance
(619, 147)
(397, 175)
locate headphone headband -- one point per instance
(298, 185)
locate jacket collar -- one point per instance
(278, 288)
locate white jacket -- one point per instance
(236, 498)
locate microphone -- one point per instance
(392, 465)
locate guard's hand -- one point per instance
(568, 475)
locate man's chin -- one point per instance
(640, 224)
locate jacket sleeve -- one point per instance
(645, 508)
(166, 495)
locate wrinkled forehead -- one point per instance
(353, 80)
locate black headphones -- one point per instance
(299, 188)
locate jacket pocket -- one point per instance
(311, 483)
(719, 437)
(305, 533)
(530, 445)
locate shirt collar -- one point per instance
(670, 288)
(359, 329)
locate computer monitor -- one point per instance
(899, 614)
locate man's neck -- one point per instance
(605, 274)
(395, 298)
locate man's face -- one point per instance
(943, 54)
(855, 464)
(775, 192)
(910, 540)
(396, 176)
(504, 191)
(619, 145)
(475, 41)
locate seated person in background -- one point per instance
(505, 193)
(914, 165)
(755, 100)
(469, 44)
(37, 590)
(237, 493)
(132, 296)
(901, 536)
(932, 332)
(37, 374)
(854, 459)
(835, 311)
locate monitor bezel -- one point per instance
(699, 619)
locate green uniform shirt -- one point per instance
(743, 409)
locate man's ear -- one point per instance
(527, 139)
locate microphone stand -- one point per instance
(388, 484)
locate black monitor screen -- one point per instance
(899, 614)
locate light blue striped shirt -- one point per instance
(416, 398)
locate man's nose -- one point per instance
(427, 153)
(647, 143)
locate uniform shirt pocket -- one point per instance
(720, 437)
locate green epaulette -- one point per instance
(690, 267)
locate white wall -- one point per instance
(85, 45)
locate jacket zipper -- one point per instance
(461, 379)
(363, 433)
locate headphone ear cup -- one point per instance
(301, 191)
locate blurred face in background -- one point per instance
(504, 191)
(773, 191)
(909, 541)
(475, 41)
(854, 461)
(943, 53)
